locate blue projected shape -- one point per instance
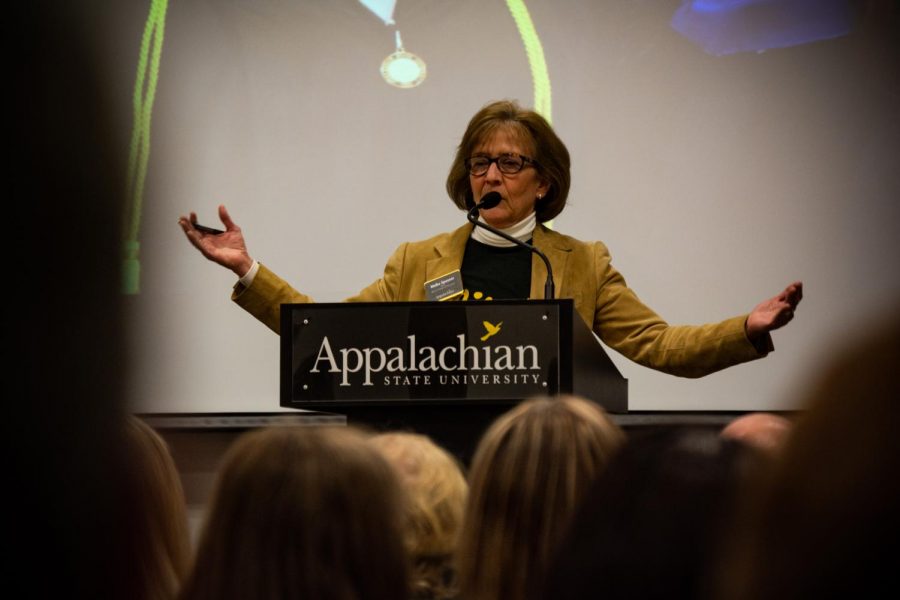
(723, 27)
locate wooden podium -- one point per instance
(445, 369)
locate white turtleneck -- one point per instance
(522, 231)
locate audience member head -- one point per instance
(437, 491)
(826, 523)
(529, 474)
(764, 431)
(161, 541)
(302, 513)
(69, 528)
(651, 525)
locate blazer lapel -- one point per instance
(557, 252)
(449, 252)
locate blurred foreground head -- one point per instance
(826, 524)
(302, 513)
(437, 491)
(529, 474)
(767, 432)
(652, 524)
(161, 543)
(70, 529)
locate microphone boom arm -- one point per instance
(549, 288)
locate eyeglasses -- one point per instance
(509, 164)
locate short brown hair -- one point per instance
(547, 150)
(530, 472)
(302, 512)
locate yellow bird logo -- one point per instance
(491, 329)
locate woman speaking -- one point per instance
(513, 153)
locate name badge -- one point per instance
(445, 287)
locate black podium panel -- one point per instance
(415, 351)
(432, 353)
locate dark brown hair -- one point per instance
(544, 145)
(303, 513)
(824, 523)
(529, 474)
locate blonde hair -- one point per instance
(437, 491)
(161, 542)
(302, 513)
(529, 474)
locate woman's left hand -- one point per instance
(775, 312)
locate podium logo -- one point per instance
(490, 329)
(411, 358)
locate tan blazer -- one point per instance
(582, 271)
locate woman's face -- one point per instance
(518, 191)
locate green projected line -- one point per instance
(540, 77)
(139, 149)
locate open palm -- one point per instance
(227, 249)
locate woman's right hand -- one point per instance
(227, 249)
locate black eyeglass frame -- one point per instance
(525, 162)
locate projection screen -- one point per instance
(716, 174)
